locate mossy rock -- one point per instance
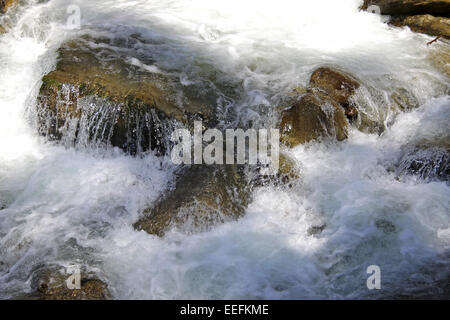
(49, 283)
(137, 107)
(202, 197)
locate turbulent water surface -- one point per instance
(65, 205)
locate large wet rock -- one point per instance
(97, 93)
(322, 109)
(49, 283)
(411, 7)
(202, 197)
(434, 26)
(312, 117)
(6, 4)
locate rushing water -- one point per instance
(77, 205)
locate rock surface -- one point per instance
(203, 196)
(434, 26)
(288, 170)
(5, 4)
(312, 117)
(322, 110)
(50, 284)
(111, 100)
(440, 58)
(411, 7)
(339, 86)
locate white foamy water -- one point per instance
(77, 205)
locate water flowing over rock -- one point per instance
(440, 57)
(288, 170)
(94, 95)
(312, 117)
(428, 164)
(322, 110)
(404, 100)
(338, 85)
(411, 7)
(221, 232)
(203, 196)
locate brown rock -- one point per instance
(338, 85)
(312, 117)
(90, 290)
(203, 196)
(434, 26)
(411, 7)
(50, 284)
(288, 170)
(5, 4)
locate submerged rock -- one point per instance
(203, 196)
(385, 226)
(312, 117)
(428, 164)
(410, 7)
(50, 284)
(316, 230)
(440, 58)
(288, 170)
(404, 100)
(434, 26)
(95, 95)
